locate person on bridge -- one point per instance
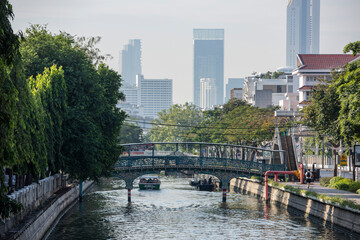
(308, 178)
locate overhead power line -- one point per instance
(204, 127)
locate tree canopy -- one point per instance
(235, 122)
(353, 47)
(173, 124)
(334, 106)
(131, 133)
(92, 122)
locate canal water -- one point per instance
(178, 211)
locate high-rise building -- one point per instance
(209, 61)
(154, 95)
(207, 93)
(303, 29)
(233, 83)
(131, 62)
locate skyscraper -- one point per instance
(303, 29)
(131, 62)
(209, 61)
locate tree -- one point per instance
(354, 47)
(235, 122)
(173, 124)
(16, 112)
(322, 113)
(272, 75)
(50, 87)
(347, 85)
(334, 105)
(92, 122)
(131, 133)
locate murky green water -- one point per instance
(178, 211)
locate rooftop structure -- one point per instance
(315, 67)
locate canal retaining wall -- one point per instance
(344, 217)
(39, 222)
(31, 197)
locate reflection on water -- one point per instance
(178, 211)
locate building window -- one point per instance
(290, 88)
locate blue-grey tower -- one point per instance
(209, 61)
(303, 29)
(131, 62)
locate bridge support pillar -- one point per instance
(224, 195)
(129, 195)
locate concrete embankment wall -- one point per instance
(31, 197)
(346, 218)
(38, 225)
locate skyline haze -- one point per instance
(255, 31)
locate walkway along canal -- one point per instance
(178, 211)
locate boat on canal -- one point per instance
(149, 183)
(204, 185)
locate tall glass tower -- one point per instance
(303, 29)
(209, 61)
(131, 62)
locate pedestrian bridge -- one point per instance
(224, 161)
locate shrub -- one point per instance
(343, 184)
(358, 191)
(354, 186)
(325, 181)
(333, 180)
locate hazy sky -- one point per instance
(255, 31)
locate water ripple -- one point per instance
(178, 211)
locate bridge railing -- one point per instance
(199, 162)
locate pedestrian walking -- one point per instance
(308, 178)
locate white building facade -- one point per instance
(263, 92)
(313, 68)
(154, 95)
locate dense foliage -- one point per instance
(235, 122)
(173, 124)
(341, 183)
(91, 122)
(334, 106)
(131, 133)
(13, 111)
(57, 108)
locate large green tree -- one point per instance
(347, 84)
(50, 87)
(173, 124)
(334, 106)
(92, 121)
(235, 122)
(22, 146)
